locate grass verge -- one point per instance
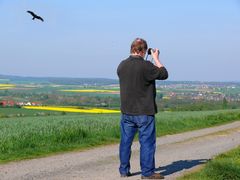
(223, 167)
(28, 137)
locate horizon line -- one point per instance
(59, 77)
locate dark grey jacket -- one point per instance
(137, 85)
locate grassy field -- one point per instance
(27, 137)
(224, 167)
(20, 112)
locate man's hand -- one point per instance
(155, 55)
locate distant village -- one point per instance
(209, 92)
(170, 94)
(11, 103)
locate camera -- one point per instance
(149, 51)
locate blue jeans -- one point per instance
(145, 124)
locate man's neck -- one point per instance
(137, 55)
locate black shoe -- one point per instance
(125, 175)
(153, 176)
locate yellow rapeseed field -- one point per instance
(90, 90)
(6, 86)
(72, 109)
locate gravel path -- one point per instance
(175, 155)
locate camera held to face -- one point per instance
(149, 51)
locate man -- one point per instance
(137, 90)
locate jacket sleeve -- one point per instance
(153, 72)
(118, 69)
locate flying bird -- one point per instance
(35, 16)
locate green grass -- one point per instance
(176, 122)
(224, 167)
(27, 137)
(20, 112)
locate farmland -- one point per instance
(73, 109)
(27, 137)
(41, 116)
(6, 86)
(104, 93)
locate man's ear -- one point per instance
(142, 53)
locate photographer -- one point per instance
(138, 91)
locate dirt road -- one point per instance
(175, 155)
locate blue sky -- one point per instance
(198, 40)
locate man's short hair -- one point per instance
(139, 45)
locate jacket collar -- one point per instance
(136, 57)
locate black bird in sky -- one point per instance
(35, 16)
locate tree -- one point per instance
(224, 103)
